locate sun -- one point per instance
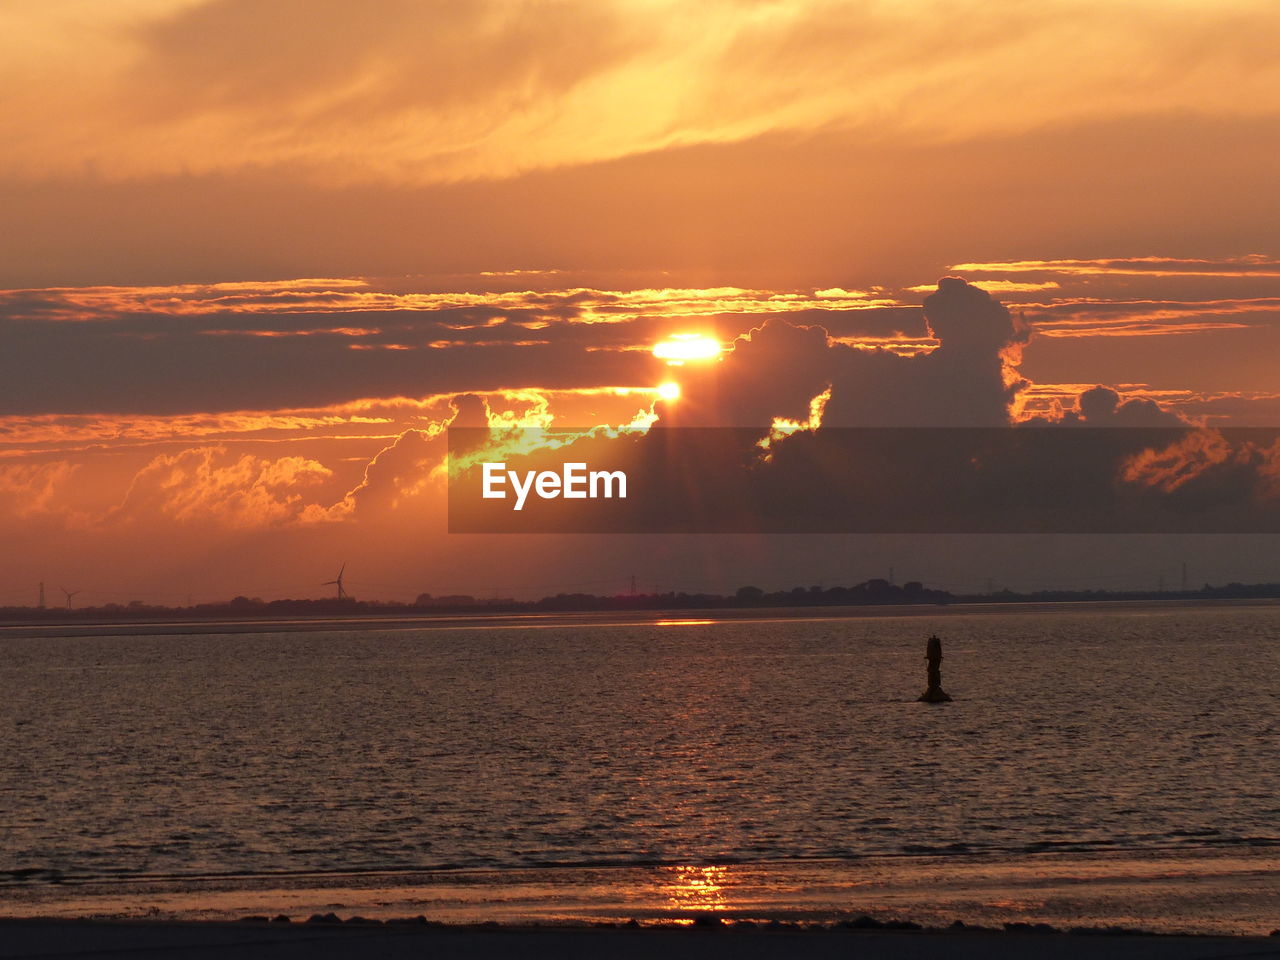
(682, 348)
(669, 390)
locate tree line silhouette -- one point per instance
(875, 592)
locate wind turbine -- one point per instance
(69, 594)
(338, 583)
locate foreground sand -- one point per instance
(1203, 891)
(250, 941)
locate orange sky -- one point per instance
(517, 200)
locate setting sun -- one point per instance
(684, 347)
(669, 390)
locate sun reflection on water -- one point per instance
(696, 888)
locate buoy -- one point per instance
(934, 692)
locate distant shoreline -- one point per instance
(747, 601)
(400, 619)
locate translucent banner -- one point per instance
(865, 480)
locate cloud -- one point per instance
(402, 475)
(436, 90)
(359, 418)
(311, 344)
(1253, 265)
(204, 485)
(365, 419)
(314, 343)
(1180, 463)
(1210, 467)
(1093, 317)
(1002, 287)
(971, 378)
(34, 489)
(1101, 406)
(293, 304)
(968, 379)
(1242, 408)
(160, 360)
(397, 475)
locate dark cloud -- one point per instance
(1102, 406)
(772, 371)
(969, 380)
(86, 371)
(178, 350)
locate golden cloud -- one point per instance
(434, 90)
(204, 485)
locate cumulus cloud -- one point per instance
(966, 378)
(34, 489)
(1102, 406)
(398, 474)
(205, 485)
(403, 474)
(980, 348)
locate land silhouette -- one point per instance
(876, 592)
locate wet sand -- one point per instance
(1206, 891)
(251, 941)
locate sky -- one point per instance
(256, 255)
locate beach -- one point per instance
(1196, 891)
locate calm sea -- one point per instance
(588, 742)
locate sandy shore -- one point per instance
(1207, 891)
(250, 941)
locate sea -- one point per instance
(1106, 764)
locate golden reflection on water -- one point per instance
(696, 888)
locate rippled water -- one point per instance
(593, 743)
